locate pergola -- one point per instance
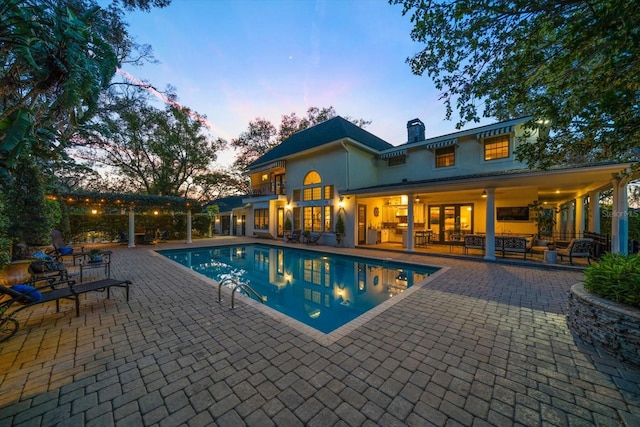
(131, 203)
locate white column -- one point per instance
(579, 225)
(231, 223)
(410, 244)
(620, 220)
(132, 229)
(594, 211)
(490, 226)
(189, 226)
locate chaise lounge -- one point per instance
(24, 298)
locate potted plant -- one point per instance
(306, 235)
(95, 255)
(287, 229)
(545, 219)
(340, 229)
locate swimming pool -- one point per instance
(323, 291)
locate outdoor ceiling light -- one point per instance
(484, 193)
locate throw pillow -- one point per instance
(29, 291)
(66, 250)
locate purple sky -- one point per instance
(234, 61)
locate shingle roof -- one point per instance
(323, 133)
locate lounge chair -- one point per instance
(45, 269)
(313, 238)
(578, 248)
(53, 291)
(61, 249)
(295, 236)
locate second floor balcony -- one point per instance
(268, 189)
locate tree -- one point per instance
(31, 219)
(221, 183)
(263, 136)
(254, 142)
(159, 152)
(57, 57)
(574, 66)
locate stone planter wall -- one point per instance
(608, 325)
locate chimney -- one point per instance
(415, 131)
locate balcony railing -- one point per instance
(267, 189)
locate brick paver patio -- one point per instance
(483, 344)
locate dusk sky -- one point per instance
(234, 61)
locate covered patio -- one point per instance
(436, 215)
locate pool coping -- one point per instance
(320, 337)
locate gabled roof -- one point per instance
(323, 133)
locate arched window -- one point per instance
(311, 178)
(318, 217)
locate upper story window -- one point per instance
(311, 178)
(313, 188)
(496, 147)
(445, 156)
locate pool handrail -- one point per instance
(238, 286)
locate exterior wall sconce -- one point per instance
(484, 193)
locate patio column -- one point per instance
(410, 245)
(188, 225)
(132, 228)
(231, 223)
(490, 226)
(594, 211)
(579, 225)
(619, 219)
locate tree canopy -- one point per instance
(157, 151)
(56, 58)
(573, 66)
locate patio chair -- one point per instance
(123, 239)
(313, 238)
(295, 236)
(47, 269)
(23, 297)
(61, 249)
(578, 248)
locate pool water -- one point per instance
(323, 291)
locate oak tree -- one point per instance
(573, 66)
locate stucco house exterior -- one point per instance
(441, 188)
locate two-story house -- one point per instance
(456, 184)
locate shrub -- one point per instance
(615, 277)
